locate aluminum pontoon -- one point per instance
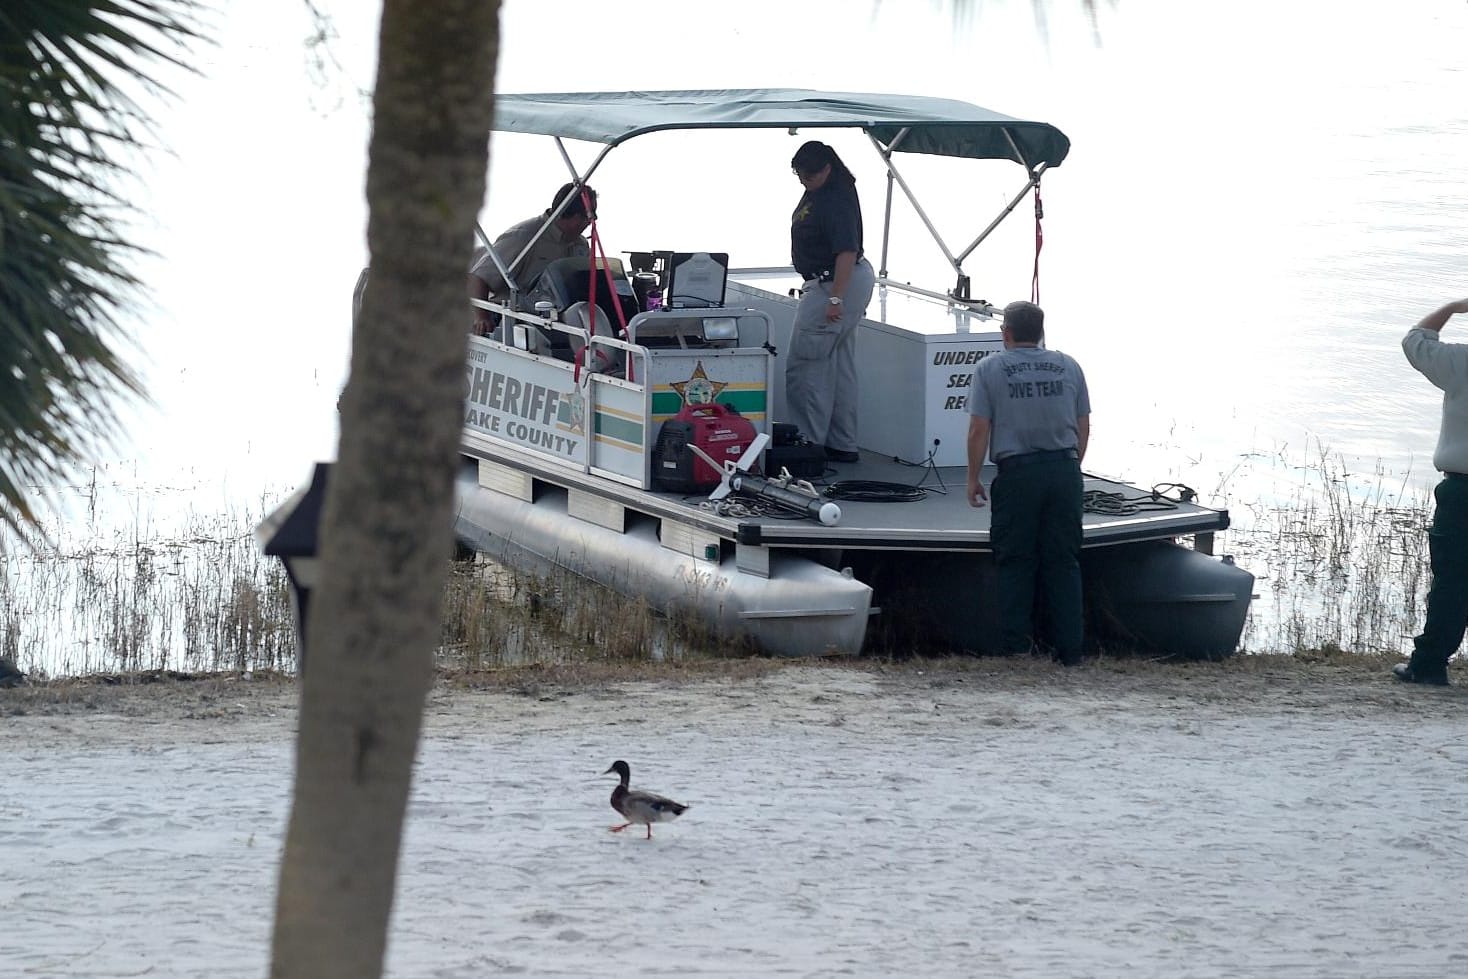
(562, 422)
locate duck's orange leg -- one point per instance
(618, 829)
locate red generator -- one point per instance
(717, 429)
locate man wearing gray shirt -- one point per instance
(1446, 366)
(1029, 409)
(561, 240)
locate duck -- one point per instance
(637, 806)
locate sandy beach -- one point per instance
(957, 818)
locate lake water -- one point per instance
(1260, 199)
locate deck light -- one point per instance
(720, 328)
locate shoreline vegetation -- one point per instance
(1305, 681)
(1340, 562)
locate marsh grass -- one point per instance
(200, 598)
(1340, 562)
(494, 617)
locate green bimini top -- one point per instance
(941, 127)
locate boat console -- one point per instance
(564, 387)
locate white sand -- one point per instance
(962, 821)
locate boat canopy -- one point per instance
(901, 123)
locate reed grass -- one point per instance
(494, 617)
(1340, 562)
(200, 598)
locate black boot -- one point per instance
(1415, 673)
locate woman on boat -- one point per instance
(826, 249)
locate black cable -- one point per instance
(1185, 493)
(930, 468)
(875, 491)
(1119, 504)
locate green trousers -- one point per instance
(1447, 599)
(1036, 532)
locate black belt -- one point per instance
(825, 276)
(1026, 458)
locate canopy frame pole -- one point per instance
(1030, 185)
(961, 289)
(887, 152)
(1014, 147)
(580, 180)
(1035, 173)
(494, 257)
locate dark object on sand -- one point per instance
(10, 674)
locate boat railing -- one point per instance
(980, 306)
(604, 420)
(635, 368)
(521, 339)
(575, 399)
(506, 312)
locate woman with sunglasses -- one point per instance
(826, 250)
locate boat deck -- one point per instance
(941, 520)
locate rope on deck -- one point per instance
(1119, 504)
(735, 507)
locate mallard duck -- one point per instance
(637, 806)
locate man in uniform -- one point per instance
(1029, 408)
(1446, 366)
(561, 240)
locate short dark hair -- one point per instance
(576, 208)
(1025, 321)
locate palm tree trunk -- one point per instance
(386, 528)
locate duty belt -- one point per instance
(1027, 458)
(823, 276)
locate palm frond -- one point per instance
(966, 12)
(65, 122)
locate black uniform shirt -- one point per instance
(826, 222)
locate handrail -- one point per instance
(982, 306)
(977, 305)
(631, 349)
(587, 338)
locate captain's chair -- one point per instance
(566, 283)
(600, 359)
(568, 280)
